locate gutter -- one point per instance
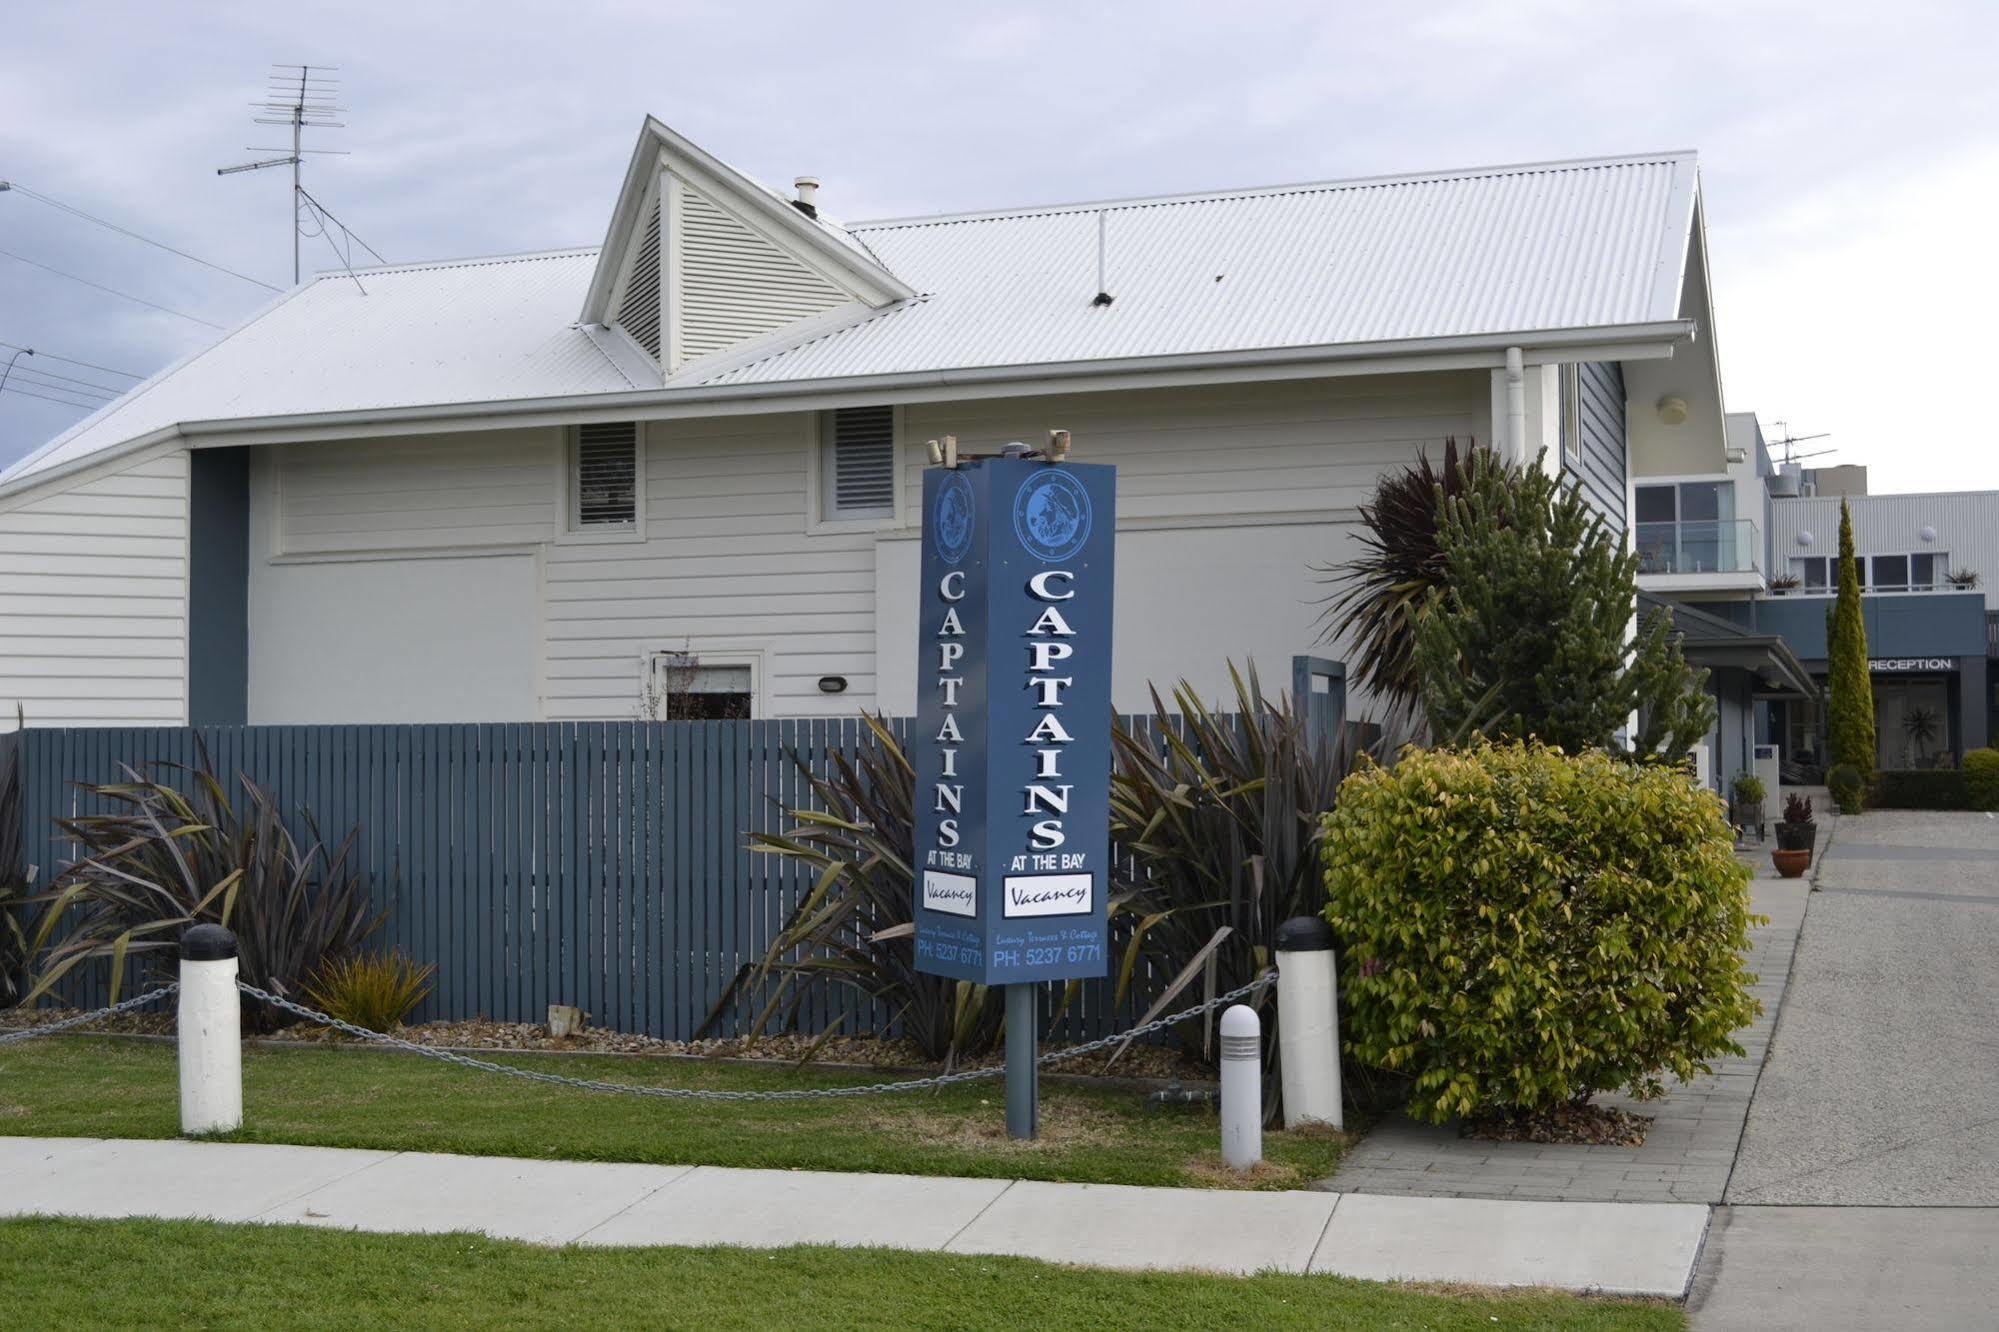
(1651, 341)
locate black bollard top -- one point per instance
(207, 943)
(1304, 934)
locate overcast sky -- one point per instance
(1850, 153)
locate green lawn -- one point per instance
(98, 1087)
(192, 1273)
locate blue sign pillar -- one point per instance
(1012, 739)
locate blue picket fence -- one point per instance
(600, 864)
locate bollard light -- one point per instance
(1308, 1022)
(1242, 1087)
(210, 1032)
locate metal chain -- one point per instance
(85, 1019)
(702, 1094)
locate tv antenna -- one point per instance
(303, 97)
(1789, 440)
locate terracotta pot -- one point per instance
(1791, 864)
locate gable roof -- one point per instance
(1557, 246)
(817, 240)
(1582, 253)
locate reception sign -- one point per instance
(1012, 740)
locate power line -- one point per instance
(64, 384)
(88, 406)
(126, 295)
(19, 188)
(71, 360)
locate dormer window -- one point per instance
(604, 478)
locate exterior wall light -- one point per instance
(1672, 409)
(1805, 538)
(1929, 534)
(832, 684)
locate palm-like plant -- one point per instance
(172, 856)
(1384, 588)
(13, 874)
(1218, 819)
(854, 929)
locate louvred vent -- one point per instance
(863, 461)
(638, 310)
(607, 475)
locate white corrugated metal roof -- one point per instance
(474, 330)
(1545, 247)
(1557, 246)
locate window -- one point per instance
(604, 478)
(857, 453)
(1891, 573)
(1928, 571)
(681, 686)
(1811, 571)
(1572, 413)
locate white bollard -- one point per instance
(1242, 1087)
(211, 1032)
(1308, 1023)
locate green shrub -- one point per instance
(378, 991)
(1849, 688)
(1921, 788)
(1848, 787)
(1981, 774)
(1748, 788)
(1522, 928)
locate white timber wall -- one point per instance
(398, 579)
(1227, 500)
(1966, 524)
(93, 598)
(435, 574)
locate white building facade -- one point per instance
(521, 488)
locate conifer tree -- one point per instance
(1530, 634)
(1850, 710)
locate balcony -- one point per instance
(1703, 554)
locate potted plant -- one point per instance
(1962, 579)
(1748, 809)
(1798, 831)
(1783, 583)
(1921, 727)
(1791, 861)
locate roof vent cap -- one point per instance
(807, 201)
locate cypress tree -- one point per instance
(1530, 634)
(1850, 710)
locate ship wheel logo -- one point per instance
(1051, 515)
(951, 519)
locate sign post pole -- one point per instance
(1023, 1075)
(1012, 739)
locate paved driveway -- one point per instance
(1883, 1081)
(1866, 1194)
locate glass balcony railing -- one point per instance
(1733, 546)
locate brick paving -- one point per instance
(1688, 1152)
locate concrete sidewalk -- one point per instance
(1619, 1248)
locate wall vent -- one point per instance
(639, 308)
(607, 469)
(860, 462)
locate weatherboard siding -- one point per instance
(94, 598)
(1600, 467)
(1251, 450)
(736, 285)
(729, 570)
(1227, 499)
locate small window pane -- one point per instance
(1655, 504)
(1703, 501)
(1928, 571)
(1891, 573)
(1812, 570)
(1572, 413)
